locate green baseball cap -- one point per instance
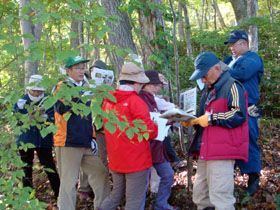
(72, 61)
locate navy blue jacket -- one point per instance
(248, 69)
(33, 135)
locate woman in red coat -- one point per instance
(129, 159)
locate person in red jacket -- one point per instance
(222, 134)
(129, 159)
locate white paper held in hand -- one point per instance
(162, 127)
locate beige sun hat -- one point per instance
(131, 72)
(34, 83)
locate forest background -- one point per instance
(37, 36)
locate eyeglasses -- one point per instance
(79, 69)
(232, 45)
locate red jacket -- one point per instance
(129, 155)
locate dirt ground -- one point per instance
(267, 197)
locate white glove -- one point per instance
(45, 116)
(20, 103)
(87, 93)
(94, 147)
(253, 111)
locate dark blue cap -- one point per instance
(203, 63)
(236, 35)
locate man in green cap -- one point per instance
(75, 143)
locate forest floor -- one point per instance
(267, 197)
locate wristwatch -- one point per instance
(209, 120)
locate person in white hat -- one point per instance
(42, 146)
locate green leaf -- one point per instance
(28, 36)
(146, 136)
(49, 102)
(130, 133)
(67, 115)
(110, 127)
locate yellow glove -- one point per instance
(186, 123)
(202, 121)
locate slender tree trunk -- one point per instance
(253, 29)
(202, 15)
(59, 36)
(28, 28)
(181, 28)
(220, 17)
(240, 10)
(188, 31)
(121, 35)
(175, 53)
(81, 38)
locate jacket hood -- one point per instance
(121, 95)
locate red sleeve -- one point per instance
(140, 111)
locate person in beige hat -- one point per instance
(129, 159)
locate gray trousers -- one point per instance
(69, 161)
(131, 186)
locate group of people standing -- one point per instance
(226, 134)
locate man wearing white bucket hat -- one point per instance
(42, 146)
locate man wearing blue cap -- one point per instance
(75, 142)
(221, 133)
(247, 67)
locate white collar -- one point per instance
(76, 83)
(126, 88)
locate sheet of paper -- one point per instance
(189, 98)
(162, 127)
(102, 76)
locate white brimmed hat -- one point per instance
(34, 83)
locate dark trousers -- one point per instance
(46, 159)
(170, 151)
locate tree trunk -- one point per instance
(147, 33)
(240, 10)
(188, 31)
(202, 15)
(253, 29)
(181, 28)
(121, 35)
(28, 28)
(81, 38)
(74, 41)
(220, 17)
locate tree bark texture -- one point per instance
(121, 35)
(74, 41)
(188, 31)
(147, 33)
(253, 29)
(28, 28)
(240, 10)
(181, 28)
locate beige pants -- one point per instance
(214, 184)
(83, 185)
(69, 160)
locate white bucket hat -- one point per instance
(34, 83)
(131, 72)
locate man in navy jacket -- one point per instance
(247, 67)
